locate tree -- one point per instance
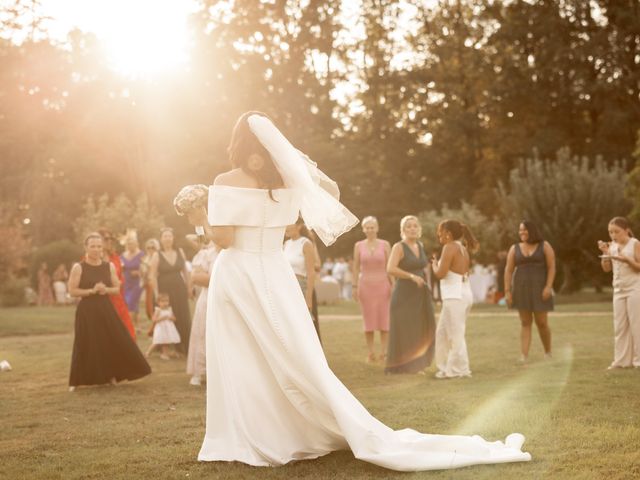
(565, 74)
(571, 200)
(486, 230)
(14, 244)
(118, 216)
(53, 254)
(632, 192)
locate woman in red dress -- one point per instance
(119, 304)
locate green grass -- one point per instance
(579, 302)
(580, 420)
(36, 320)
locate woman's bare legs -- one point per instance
(384, 341)
(369, 336)
(526, 320)
(542, 322)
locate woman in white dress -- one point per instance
(271, 397)
(202, 266)
(60, 277)
(301, 255)
(190, 197)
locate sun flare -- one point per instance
(140, 37)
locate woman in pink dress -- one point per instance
(372, 285)
(45, 292)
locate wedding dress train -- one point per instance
(271, 396)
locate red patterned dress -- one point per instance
(118, 300)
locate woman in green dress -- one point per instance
(412, 330)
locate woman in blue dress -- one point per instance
(131, 259)
(528, 285)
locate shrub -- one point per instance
(118, 215)
(14, 244)
(571, 200)
(486, 230)
(54, 253)
(12, 291)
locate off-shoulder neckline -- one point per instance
(253, 189)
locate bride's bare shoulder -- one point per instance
(236, 178)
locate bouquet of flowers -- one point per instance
(190, 198)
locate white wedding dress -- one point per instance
(271, 397)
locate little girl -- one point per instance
(622, 255)
(164, 329)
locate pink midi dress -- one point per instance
(374, 289)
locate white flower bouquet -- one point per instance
(190, 198)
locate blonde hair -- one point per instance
(403, 223)
(163, 296)
(152, 242)
(369, 219)
(131, 235)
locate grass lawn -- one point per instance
(581, 421)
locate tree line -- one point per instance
(409, 105)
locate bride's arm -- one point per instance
(200, 277)
(220, 235)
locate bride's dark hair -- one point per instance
(244, 144)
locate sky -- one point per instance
(140, 36)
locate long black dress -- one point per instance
(529, 280)
(102, 347)
(412, 328)
(170, 281)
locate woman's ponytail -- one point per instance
(472, 243)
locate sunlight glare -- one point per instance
(140, 37)
(510, 406)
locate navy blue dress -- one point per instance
(529, 279)
(170, 281)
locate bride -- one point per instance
(271, 397)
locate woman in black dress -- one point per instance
(168, 275)
(412, 327)
(103, 351)
(534, 263)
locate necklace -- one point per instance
(372, 248)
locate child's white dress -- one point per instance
(165, 331)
